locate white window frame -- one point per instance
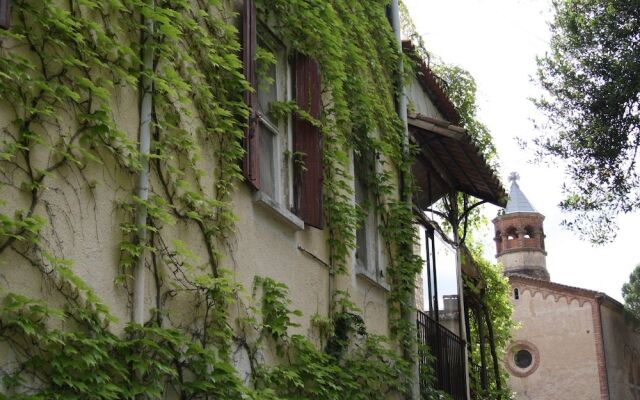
(282, 133)
(375, 270)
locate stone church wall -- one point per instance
(622, 353)
(558, 330)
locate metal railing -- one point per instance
(446, 356)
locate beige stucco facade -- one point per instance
(621, 351)
(558, 330)
(583, 344)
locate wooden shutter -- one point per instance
(251, 162)
(5, 14)
(307, 144)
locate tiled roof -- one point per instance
(450, 160)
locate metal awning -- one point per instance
(449, 160)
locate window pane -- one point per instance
(267, 162)
(523, 359)
(267, 92)
(267, 80)
(361, 234)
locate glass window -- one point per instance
(523, 359)
(369, 259)
(273, 85)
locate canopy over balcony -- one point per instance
(449, 161)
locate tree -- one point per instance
(591, 75)
(631, 293)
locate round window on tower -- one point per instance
(523, 359)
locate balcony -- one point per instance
(446, 357)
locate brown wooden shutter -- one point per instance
(5, 14)
(307, 144)
(251, 162)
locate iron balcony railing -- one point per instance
(446, 356)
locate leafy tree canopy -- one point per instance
(591, 76)
(631, 293)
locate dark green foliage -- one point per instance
(592, 77)
(491, 290)
(92, 363)
(461, 89)
(631, 293)
(356, 365)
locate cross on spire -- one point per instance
(514, 177)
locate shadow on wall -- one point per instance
(632, 366)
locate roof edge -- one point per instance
(594, 294)
(429, 82)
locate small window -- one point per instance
(5, 14)
(368, 259)
(273, 85)
(528, 232)
(523, 359)
(512, 234)
(516, 294)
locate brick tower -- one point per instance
(520, 236)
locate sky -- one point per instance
(497, 41)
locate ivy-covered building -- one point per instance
(215, 199)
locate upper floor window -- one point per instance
(273, 84)
(369, 257)
(528, 232)
(5, 14)
(282, 159)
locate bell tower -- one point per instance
(519, 236)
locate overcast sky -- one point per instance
(497, 41)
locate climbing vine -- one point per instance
(489, 292)
(69, 75)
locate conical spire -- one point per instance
(520, 236)
(518, 202)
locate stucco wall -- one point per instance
(420, 102)
(560, 330)
(622, 354)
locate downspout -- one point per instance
(146, 104)
(409, 314)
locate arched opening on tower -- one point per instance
(529, 232)
(512, 233)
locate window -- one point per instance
(282, 161)
(512, 233)
(368, 255)
(273, 77)
(5, 14)
(523, 359)
(516, 294)
(528, 232)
